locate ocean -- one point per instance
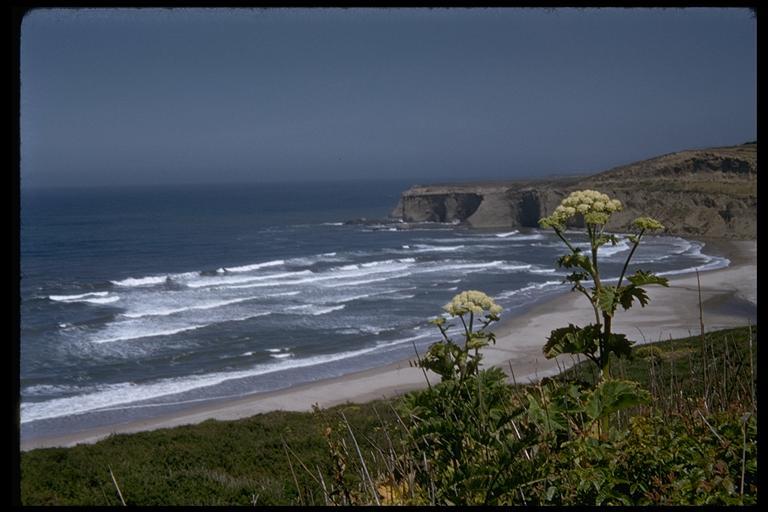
(139, 301)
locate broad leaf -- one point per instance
(549, 416)
(629, 293)
(607, 300)
(641, 278)
(619, 345)
(572, 340)
(576, 259)
(614, 395)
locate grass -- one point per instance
(302, 458)
(213, 463)
(715, 369)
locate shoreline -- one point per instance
(673, 312)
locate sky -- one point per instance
(178, 96)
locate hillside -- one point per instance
(705, 192)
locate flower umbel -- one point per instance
(472, 301)
(647, 223)
(595, 206)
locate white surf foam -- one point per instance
(120, 396)
(714, 263)
(513, 267)
(91, 298)
(255, 266)
(314, 310)
(134, 332)
(529, 287)
(465, 267)
(505, 235)
(228, 281)
(437, 248)
(140, 281)
(209, 305)
(399, 297)
(102, 300)
(66, 298)
(351, 298)
(609, 250)
(152, 334)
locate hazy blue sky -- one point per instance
(185, 96)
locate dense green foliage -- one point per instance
(212, 463)
(676, 425)
(685, 446)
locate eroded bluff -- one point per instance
(708, 192)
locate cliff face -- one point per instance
(711, 192)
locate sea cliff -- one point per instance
(704, 192)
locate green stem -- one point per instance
(606, 328)
(559, 234)
(466, 330)
(444, 333)
(631, 253)
(591, 301)
(593, 246)
(604, 354)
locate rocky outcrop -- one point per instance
(443, 206)
(710, 192)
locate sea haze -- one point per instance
(140, 301)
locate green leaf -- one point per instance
(576, 277)
(572, 340)
(641, 278)
(576, 259)
(615, 395)
(604, 239)
(607, 300)
(627, 294)
(549, 417)
(619, 345)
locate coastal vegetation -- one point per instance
(668, 423)
(694, 441)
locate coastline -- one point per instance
(673, 312)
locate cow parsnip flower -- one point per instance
(472, 301)
(595, 206)
(647, 223)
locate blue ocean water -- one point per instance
(138, 301)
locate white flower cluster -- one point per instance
(471, 301)
(595, 206)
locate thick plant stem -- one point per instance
(565, 241)
(606, 326)
(631, 253)
(605, 353)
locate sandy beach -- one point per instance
(728, 297)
